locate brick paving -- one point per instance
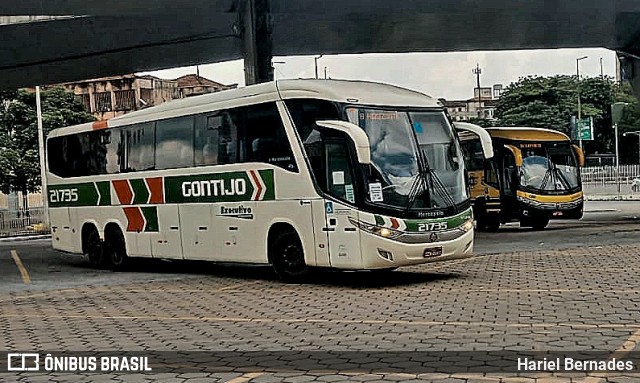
(568, 300)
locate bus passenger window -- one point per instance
(216, 140)
(265, 138)
(174, 143)
(140, 144)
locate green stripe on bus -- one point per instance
(267, 178)
(140, 191)
(104, 188)
(73, 195)
(150, 214)
(452, 222)
(216, 187)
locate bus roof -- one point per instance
(527, 134)
(352, 92)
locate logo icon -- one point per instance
(23, 362)
(328, 207)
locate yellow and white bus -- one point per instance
(296, 174)
(533, 177)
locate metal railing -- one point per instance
(606, 181)
(17, 219)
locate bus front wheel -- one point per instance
(488, 222)
(537, 223)
(287, 258)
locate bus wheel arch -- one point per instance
(285, 252)
(92, 245)
(115, 246)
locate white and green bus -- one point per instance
(296, 174)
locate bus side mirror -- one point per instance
(579, 154)
(355, 133)
(485, 138)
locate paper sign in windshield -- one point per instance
(338, 178)
(375, 192)
(348, 191)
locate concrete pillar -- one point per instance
(256, 41)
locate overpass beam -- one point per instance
(257, 46)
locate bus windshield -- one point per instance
(549, 168)
(415, 158)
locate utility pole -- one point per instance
(477, 71)
(43, 170)
(601, 69)
(578, 124)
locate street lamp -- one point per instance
(617, 110)
(315, 60)
(637, 133)
(579, 106)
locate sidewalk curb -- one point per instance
(25, 238)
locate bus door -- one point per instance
(510, 178)
(344, 239)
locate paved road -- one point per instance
(554, 296)
(604, 222)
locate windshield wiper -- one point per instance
(561, 177)
(419, 186)
(424, 181)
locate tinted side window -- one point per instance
(174, 143)
(216, 139)
(83, 154)
(305, 113)
(265, 139)
(140, 144)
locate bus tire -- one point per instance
(93, 247)
(488, 222)
(287, 257)
(539, 223)
(116, 250)
(383, 272)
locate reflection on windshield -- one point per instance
(551, 168)
(395, 160)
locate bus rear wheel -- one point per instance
(116, 251)
(94, 249)
(287, 258)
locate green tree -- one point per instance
(550, 102)
(19, 159)
(629, 145)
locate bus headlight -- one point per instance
(467, 226)
(380, 231)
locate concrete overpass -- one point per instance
(123, 36)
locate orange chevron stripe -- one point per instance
(155, 187)
(123, 191)
(135, 220)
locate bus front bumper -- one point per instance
(380, 253)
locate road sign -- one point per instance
(583, 129)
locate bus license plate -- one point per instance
(557, 213)
(432, 252)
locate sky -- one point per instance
(441, 75)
